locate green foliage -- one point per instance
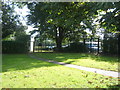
(23, 38)
(110, 46)
(110, 20)
(10, 20)
(59, 20)
(76, 47)
(19, 44)
(14, 47)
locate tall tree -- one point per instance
(110, 16)
(10, 20)
(111, 21)
(59, 20)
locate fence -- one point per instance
(94, 45)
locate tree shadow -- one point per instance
(114, 87)
(15, 62)
(69, 62)
(104, 58)
(61, 57)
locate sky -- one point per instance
(23, 12)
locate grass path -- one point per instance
(21, 71)
(87, 60)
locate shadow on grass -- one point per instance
(61, 57)
(114, 87)
(104, 58)
(13, 62)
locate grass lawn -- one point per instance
(21, 71)
(88, 60)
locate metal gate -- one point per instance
(43, 46)
(94, 45)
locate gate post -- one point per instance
(34, 46)
(84, 41)
(90, 44)
(31, 44)
(98, 45)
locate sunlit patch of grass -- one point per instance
(88, 60)
(21, 71)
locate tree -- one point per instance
(59, 20)
(10, 21)
(20, 34)
(110, 16)
(110, 21)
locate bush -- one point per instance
(76, 47)
(22, 38)
(110, 46)
(14, 47)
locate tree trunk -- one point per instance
(59, 44)
(59, 38)
(119, 45)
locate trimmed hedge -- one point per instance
(14, 47)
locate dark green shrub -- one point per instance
(14, 47)
(110, 45)
(76, 47)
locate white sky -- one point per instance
(23, 12)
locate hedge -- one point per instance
(110, 46)
(76, 47)
(14, 47)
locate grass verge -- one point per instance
(87, 60)
(21, 71)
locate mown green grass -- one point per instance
(21, 71)
(87, 60)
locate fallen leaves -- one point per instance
(101, 81)
(90, 82)
(26, 76)
(97, 87)
(106, 78)
(110, 77)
